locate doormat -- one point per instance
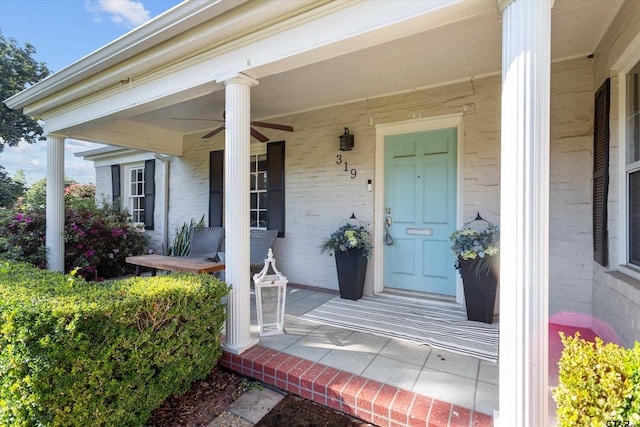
(437, 324)
(294, 411)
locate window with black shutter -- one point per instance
(274, 217)
(601, 173)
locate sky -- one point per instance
(62, 32)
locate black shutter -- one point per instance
(275, 187)
(601, 174)
(216, 188)
(115, 186)
(149, 192)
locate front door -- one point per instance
(420, 204)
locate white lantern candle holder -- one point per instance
(271, 292)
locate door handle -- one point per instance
(388, 239)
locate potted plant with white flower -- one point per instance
(351, 245)
(477, 262)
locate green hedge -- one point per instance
(598, 384)
(75, 353)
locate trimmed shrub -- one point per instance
(598, 384)
(76, 353)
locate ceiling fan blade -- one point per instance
(195, 118)
(257, 135)
(213, 132)
(273, 126)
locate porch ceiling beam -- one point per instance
(128, 134)
(524, 212)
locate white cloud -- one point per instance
(128, 13)
(32, 159)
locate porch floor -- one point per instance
(388, 382)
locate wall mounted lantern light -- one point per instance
(346, 140)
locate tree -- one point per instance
(10, 188)
(18, 70)
(35, 198)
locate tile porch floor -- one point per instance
(385, 381)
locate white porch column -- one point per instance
(524, 212)
(55, 203)
(236, 212)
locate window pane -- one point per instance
(254, 200)
(262, 162)
(634, 218)
(633, 114)
(254, 219)
(253, 182)
(262, 200)
(253, 163)
(262, 215)
(262, 180)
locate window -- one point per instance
(267, 207)
(632, 163)
(258, 209)
(134, 181)
(137, 195)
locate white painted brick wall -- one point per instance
(570, 242)
(104, 191)
(616, 297)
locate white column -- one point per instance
(55, 203)
(236, 212)
(524, 212)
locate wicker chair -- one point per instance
(205, 243)
(260, 241)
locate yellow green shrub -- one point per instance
(599, 384)
(76, 353)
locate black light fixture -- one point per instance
(346, 140)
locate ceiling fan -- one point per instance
(254, 133)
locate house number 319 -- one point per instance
(353, 171)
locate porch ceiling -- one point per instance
(461, 50)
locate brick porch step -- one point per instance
(369, 400)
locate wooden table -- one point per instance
(162, 262)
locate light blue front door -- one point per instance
(420, 203)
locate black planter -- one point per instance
(479, 289)
(351, 266)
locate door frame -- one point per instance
(397, 128)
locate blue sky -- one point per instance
(62, 32)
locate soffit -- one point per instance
(459, 51)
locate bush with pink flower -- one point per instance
(97, 238)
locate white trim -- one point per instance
(454, 120)
(126, 202)
(628, 59)
(120, 157)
